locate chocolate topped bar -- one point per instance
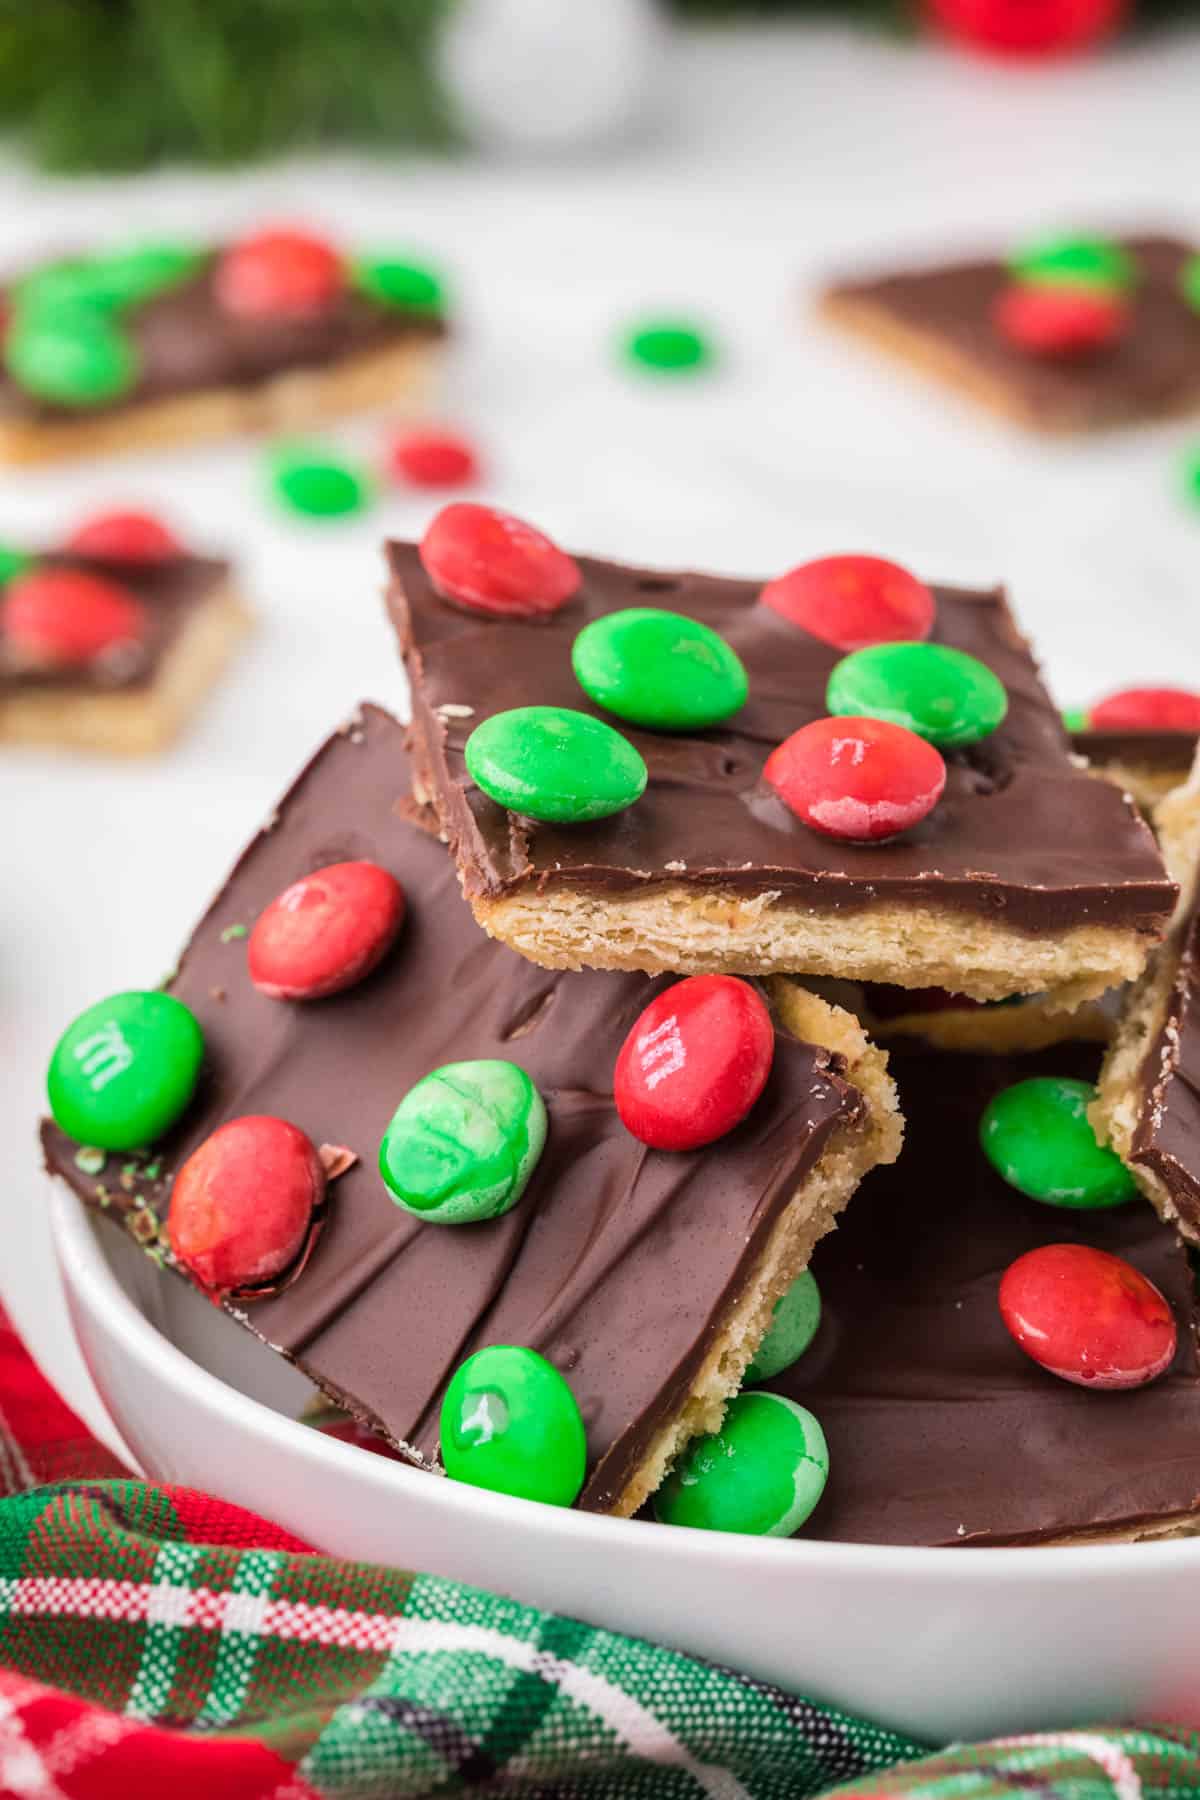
(1026, 876)
(647, 1277)
(131, 687)
(1147, 764)
(940, 1430)
(169, 592)
(1149, 1105)
(941, 319)
(136, 348)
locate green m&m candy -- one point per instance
(942, 694)
(1075, 718)
(1075, 262)
(555, 764)
(408, 285)
(659, 669)
(1189, 282)
(510, 1423)
(668, 347)
(463, 1142)
(320, 486)
(792, 1329)
(70, 355)
(13, 563)
(122, 1073)
(123, 278)
(762, 1473)
(1036, 1134)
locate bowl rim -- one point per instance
(89, 1279)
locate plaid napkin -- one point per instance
(156, 1642)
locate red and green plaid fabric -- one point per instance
(157, 1642)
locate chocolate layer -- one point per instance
(186, 342)
(170, 592)
(940, 1430)
(1021, 834)
(1158, 750)
(619, 1263)
(1153, 371)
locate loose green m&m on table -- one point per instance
(70, 355)
(1036, 1134)
(123, 1072)
(1075, 262)
(668, 347)
(510, 1423)
(762, 1473)
(942, 694)
(792, 1329)
(555, 764)
(408, 285)
(463, 1142)
(659, 669)
(310, 481)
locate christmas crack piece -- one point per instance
(480, 1185)
(1149, 1103)
(160, 344)
(1142, 739)
(844, 773)
(1064, 336)
(940, 1428)
(112, 641)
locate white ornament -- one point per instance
(549, 74)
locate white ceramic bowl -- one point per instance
(939, 1643)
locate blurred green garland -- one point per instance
(122, 84)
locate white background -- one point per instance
(776, 157)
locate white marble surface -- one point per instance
(779, 155)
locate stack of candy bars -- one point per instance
(515, 1080)
(164, 343)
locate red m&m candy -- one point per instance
(1057, 319)
(1088, 1317)
(279, 271)
(242, 1205)
(1032, 28)
(431, 459)
(66, 617)
(494, 563)
(134, 537)
(325, 932)
(695, 1062)
(853, 601)
(1147, 709)
(857, 779)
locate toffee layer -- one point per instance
(619, 1263)
(1022, 837)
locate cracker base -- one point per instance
(680, 929)
(931, 355)
(401, 375)
(1124, 1078)
(811, 1213)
